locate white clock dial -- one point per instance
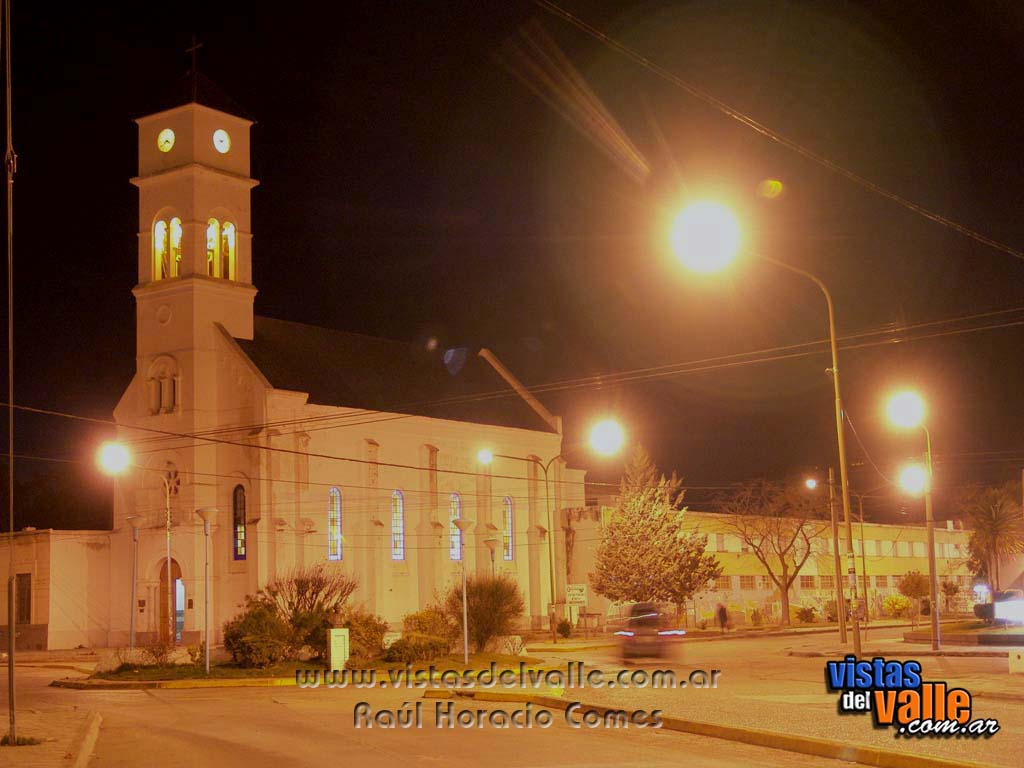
(221, 141)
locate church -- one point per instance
(299, 445)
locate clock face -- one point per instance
(165, 140)
(221, 141)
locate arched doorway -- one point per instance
(179, 601)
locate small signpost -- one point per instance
(576, 594)
(337, 642)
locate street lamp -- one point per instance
(907, 410)
(208, 514)
(811, 483)
(606, 439)
(705, 237)
(492, 545)
(115, 459)
(463, 525)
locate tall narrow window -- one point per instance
(212, 247)
(23, 599)
(238, 520)
(454, 534)
(397, 526)
(161, 251)
(334, 550)
(227, 251)
(175, 246)
(507, 528)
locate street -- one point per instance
(760, 687)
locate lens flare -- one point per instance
(705, 237)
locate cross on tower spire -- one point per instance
(195, 70)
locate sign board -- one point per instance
(337, 642)
(576, 594)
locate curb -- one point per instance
(900, 652)
(806, 745)
(143, 685)
(84, 743)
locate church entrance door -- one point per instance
(179, 601)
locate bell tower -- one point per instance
(195, 237)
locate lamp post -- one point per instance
(135, 521)
(837, 563)
(463, 525)
(115, 459)
(208, 514)
(606, 439)
(907, 410)
(706, 238)
(492, 545)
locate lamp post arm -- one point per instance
(844, 483)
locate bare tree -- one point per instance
(777, 525)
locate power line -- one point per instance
(775, 136)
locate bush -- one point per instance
(365, 633)
(494, 604)
(756, 617)
(416, 647)
(158, 652)
(805, 614)
(564, 628)
(431, 621)
(311, 601)
(896, 606)
(259, 636)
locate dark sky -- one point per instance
(413, 185)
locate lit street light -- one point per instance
(463, 525)
(811, 483)
(706, 238)
(115, 459)
(606, 439)
(907, 410)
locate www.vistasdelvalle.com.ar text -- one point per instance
(574, 675)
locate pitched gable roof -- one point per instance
(355, 371)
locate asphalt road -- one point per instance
(285, 727)
(761, 687)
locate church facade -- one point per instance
(300, 445)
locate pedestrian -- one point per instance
(723, 617)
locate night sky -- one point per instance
(418, 180)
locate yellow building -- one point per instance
(884, 553)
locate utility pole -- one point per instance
(11, 163)
(840, 599)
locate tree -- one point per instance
(777, 525)
(311, 600)
(644, 554)
(993, 516)
(493, 606)
(915, 585)
(950, 589)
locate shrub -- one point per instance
(493, 606)
(365, 633)
(416, 647)
(311, 601)
(197, 654)
(756, 617)
(896, 606)
(564, 628)
(431, 621)
(158, 652)
(259, 636)
(805, 613)
(914, 585)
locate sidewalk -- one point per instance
(68, 736)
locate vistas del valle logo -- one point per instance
(899, 698)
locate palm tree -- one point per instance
(993, 515)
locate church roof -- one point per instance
(199, 89)
(351, 370)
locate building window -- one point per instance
(23, 599)
(747, 582)
(902, 549)
(397, 526)
(919, 549)
(454, 534)
(221, 241)
(167, 248)
(238, 520)
(806, 582)
(334, 524)
(881, 582)
(828, 582)
(719, 542)
(507, 528)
